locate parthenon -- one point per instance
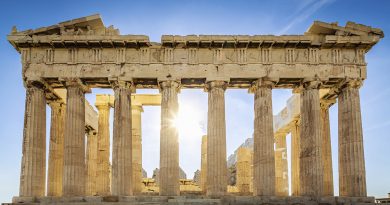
(63, 62)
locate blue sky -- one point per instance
(155, 18)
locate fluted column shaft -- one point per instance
(263, 140)
(169, 142)
(352, 174)
(203, 166)
(311, 173)
(103, 154)
(295, 141)
(244, 170)
(281, 165)
(92, 145)
(33, 167)
(326, 150)
(74, 141)
(137, 148)
(216, 142)
(121, 183)
(56, 149)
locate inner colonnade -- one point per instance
(81, 54)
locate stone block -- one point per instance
(110, 198)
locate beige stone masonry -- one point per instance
(137, 103)
(203, 165)
(310, 165)
(326, 148)
(216, 139)
(352, 174)
(281, 165)
(60, 63)
(92, 152)
(33, 170)
(169, 142)
(74, 139)
(263, 140)
(56, 149)
(244, 171)
(295, 151)
(103, 104)
(121, 184)
(137, 148)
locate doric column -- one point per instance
(169, 142)
(263, 140)
(326, 148)
(137, 148)
(33, 169)
(244, 170)
(352, 174)
(203, 166)
(103, 155)
(74, 139)
(121, 183)
(56, 149)
(92, 145)
(281, 165)
(310, 165)
(216, 139)
(295, 141)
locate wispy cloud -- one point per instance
(378, 126)
(375, 98)
(303, 12)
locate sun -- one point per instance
(188, 121)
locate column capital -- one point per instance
(137, 107)
(220, 84)
(352, 83)
(119, 84)
(56, 103)
(104, 101)
(311, 84)
(326, 103)
(168, 84)
(262, 83)
(75, 82)
(35, 83)
(347, 83)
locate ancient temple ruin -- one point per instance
(62, 62)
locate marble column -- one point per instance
(91, 178)
(74, 140)
(103, 155)
(56, 149)
(33, 167)
(169, 142)
(121, 183)
(244, 170)
(216, 139)
(137, 148)
(352, 174)
(203, 166)
(326, 149)
(295, 141)
(263, 140)
(281, 165)
(310, 165)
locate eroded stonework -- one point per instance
(63, 62)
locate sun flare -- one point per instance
(188, 121)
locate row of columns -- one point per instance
(308, 173)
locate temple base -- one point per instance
(191, 200)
